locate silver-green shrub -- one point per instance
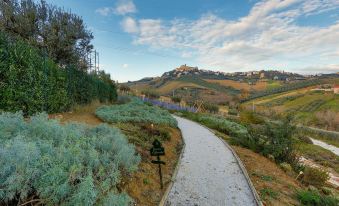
(70, 164)
(135, 111)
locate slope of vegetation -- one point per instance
(311, 108)
(213, 86)
(72, 164)
(135, 111)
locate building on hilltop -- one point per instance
(336, 89)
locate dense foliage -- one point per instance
(60, 33)
(135, 111)
(314, 198)
(69, 164)
(31, 82)
(219, 123)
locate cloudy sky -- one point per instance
(139, 38)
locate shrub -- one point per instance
(315, 177)
(232, 111)
(135, 111)
(123, 99)
(314, 198)
(249, 117)
(69, 164)
(213, 108)
(273, 139)
(176, 99)
(305, 139)
(150, 93)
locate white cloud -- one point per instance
(125, 66)
(125, 7)
(129, 25)
(105, 11)
(122, 7)
(269, 36)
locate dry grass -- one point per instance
(143, 186)
(240, 85)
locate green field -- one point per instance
(306, 107)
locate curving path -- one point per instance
(208, 173)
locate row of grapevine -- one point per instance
(280, 101)
(285, 88)
(312, 106)
(56, 164)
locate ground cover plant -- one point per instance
(135, 111)
(218, 123)
(54, 164)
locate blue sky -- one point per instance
(142, 38)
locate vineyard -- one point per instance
(52, 164)
(310, 107)
(280, 101)
(285, 88)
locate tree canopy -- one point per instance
(59, 33)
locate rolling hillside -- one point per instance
(305, 106)
(191, 83)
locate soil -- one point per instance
(273, 185)
(143, 185)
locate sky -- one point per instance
(145, 38)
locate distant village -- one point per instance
(250, 76)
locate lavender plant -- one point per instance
(135, 111)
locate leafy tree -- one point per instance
(60, 34)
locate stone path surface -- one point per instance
(208, 173)
(324, 145)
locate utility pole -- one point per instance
(95, 61)
(98, 62)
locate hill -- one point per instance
(192, 83)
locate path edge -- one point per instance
(241, 165)
(174, 176)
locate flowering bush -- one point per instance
(69, 164)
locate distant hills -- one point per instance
(191, 83)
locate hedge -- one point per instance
(32, 82)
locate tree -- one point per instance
(60, 34)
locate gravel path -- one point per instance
(208, 173)
(324, 145)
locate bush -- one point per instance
(314, 198)
(213, 108)
(150, 93)
(135, 111)
(273, 139)
(305, 139)
(176, 99)
(69, 164)
(249, 117)
(315, 177)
